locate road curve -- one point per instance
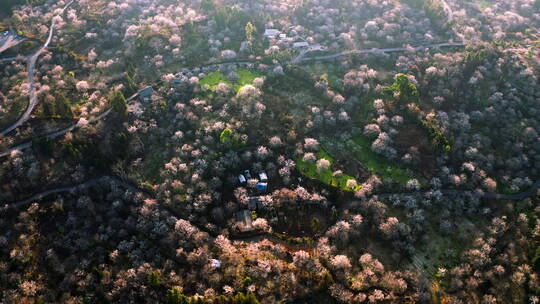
(58, 133)
(30, 68)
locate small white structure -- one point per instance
(300, 44)
(215, 263)
(241, 178)
(282, 36)
(263, 177)
(271, 33)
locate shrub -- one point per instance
(154, 279)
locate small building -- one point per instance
(247, 174)
(262, 186)
(146, 93)
(282, 36)
(263, 177)
(241, 178)
(244, 219)
(300, 44)
(271, 33)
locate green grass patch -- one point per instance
(213, 79)
(378, 164)
(245, 77)
(326, 176)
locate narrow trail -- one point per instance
(30, 79)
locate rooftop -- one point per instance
(271, 32)
(146, 92)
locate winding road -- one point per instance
(376, 51)
(30, 69)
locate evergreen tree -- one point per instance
(119, 104)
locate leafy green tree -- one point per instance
(226, 136)
(403, 90)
